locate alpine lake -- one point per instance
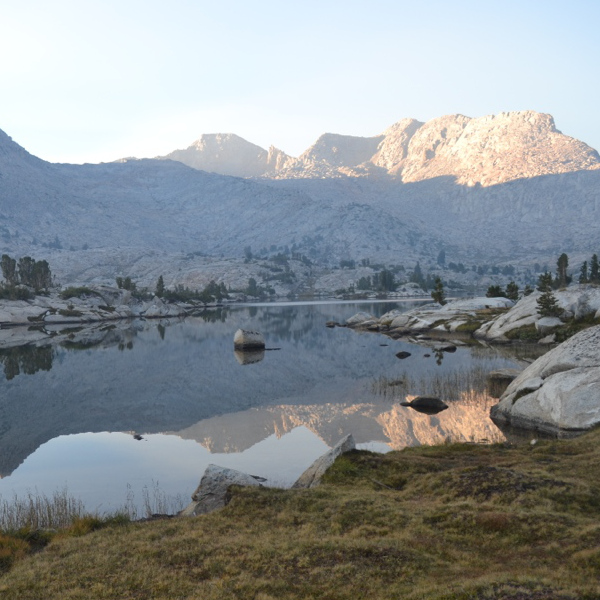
(127, 411)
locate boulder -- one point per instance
(402, 355)
(213, 491)
(426, 404)
(547, 324)
(549, 339)
(361, 319)
(559, 391)
(313, 475)
(245, 340)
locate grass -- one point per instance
(525, 333)
(449, 386)
(442, 522)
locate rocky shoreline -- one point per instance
(492, 320)
(559, 393)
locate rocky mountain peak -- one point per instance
(493, 149)
(224, 153)
(341, 150)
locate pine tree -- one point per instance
(544, 282)
(495, 291)
(512, 291)
(562, 278)
(9, 269)
(584, 276)
(160, 287)
(438, 294)
(547, 305)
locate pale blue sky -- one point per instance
(96, 80)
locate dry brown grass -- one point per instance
(446, 522)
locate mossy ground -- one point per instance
(445, 522)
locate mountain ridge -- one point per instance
(476, 151)
(145, 217)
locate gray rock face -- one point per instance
(248, 340)
(212, 492)
(559, 391)
(313, 475)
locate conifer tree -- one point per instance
(562, 278)
(438, 294)
(512, 291)
(594, 270)
(160, 287)
(584, 275)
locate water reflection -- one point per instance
(249, 357)
(25, 359)
(181, 376)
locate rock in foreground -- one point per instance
(313, 475)
(212, 493)
(558, 392)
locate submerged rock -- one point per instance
(559, 391)
(402, 355)
(426, 404)
(245, 340)
(313, 475)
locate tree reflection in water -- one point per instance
(26, 360)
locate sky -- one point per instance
(94, 81)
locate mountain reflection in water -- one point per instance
(182, 377)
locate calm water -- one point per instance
(71, 404)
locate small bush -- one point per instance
(77, 292)
(68, 312)
(526, 333)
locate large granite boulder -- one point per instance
(559, 391)
(248, 340)
(213, 491)
(313, 475)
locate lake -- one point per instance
(69, 411)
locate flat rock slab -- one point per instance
(313, 475)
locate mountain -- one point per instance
(499, 189)
(483, 151)
(229, 154)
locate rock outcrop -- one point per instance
(558, 392)
(313, 475)
(103, 304)
(577, 299)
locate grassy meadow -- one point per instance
(455, 521)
